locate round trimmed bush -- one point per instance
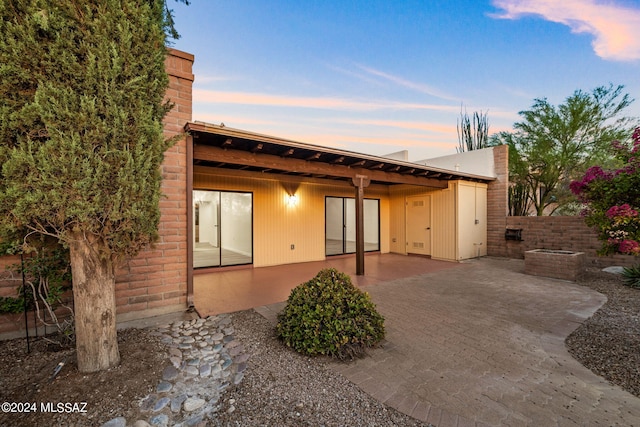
(329, 315)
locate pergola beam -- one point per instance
(273, 162)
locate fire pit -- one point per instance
(566, 265)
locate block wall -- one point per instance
(155, 282)
(498, 202)
(567, 233)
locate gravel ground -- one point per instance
(608, 343)
(283, 388)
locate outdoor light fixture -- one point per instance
(292, 200)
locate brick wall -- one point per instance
(155, 282)
(567, 233)
(498, 201)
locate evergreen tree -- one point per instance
(81, 108)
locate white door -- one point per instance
(419, 225)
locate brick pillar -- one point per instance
(155, 282)
(498, 203)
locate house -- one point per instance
(237, 198)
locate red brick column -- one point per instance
(498, 202)
(155, 282)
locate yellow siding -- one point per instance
(443, 220)
(276, 224)
(472, 220)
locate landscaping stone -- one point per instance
(197, 375)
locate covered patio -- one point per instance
(236, 289)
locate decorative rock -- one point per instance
(193, 362)
(116, 422)
(184, 346)
(242, 366)
(217, 348)
(192, 370)
(193, 421)
(147, 402)
(242, 358)
(236, 351)
(231, 409)
(217, 336)
(160, 420)
(227, 362)
(205, 370)
(141, 423)
(175, 361)
(238, 377)
(188, 340)
(164, 387)
(160, 404)
(174, 352)
(193, 403)
(614, 270)
(176, 402)
(170, 373)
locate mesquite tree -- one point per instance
(82, 89)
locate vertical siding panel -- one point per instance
(276, 225)
(443, 224)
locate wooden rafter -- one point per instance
(273, 162)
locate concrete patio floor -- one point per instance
(483, 345)
(226, 291)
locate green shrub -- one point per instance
(631, 276)
(329, 315)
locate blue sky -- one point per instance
(382, 76)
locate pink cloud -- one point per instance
(615, 28)
(325, 103)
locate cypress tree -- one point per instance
(82, 89)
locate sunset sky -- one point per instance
(380, 76)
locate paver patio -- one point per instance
(483, 344)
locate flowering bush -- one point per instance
(612, 199)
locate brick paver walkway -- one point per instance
(483, 344)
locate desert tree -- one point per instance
(555, 144)
(82, 88)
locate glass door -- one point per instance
(223, 228)
(340, 225)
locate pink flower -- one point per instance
(622, 211)
(629, 247)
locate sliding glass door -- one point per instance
(223, 228)
(340, 225)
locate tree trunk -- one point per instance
(94, 305)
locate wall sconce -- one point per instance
(292, 200)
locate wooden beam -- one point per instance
(268, 161)
(257, 148)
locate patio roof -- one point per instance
(228, 148)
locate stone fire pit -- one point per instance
(566, 265)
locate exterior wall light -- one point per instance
(292, 200)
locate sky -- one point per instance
(377, 77)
